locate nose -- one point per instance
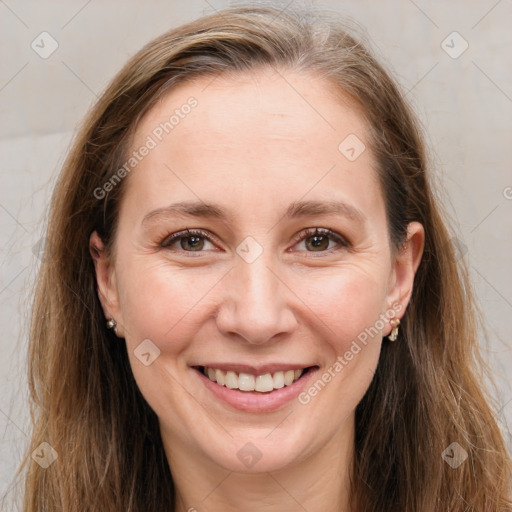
(256, 304)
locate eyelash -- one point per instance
(303, 235)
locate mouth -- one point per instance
(253, 392)
(250, 382)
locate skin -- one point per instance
(255, 143)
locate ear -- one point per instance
(106, 282)
(404, 269)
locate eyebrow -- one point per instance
(297, 209)
(316, 208)
(188, 209)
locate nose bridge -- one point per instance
(256, 305)
(258, 285)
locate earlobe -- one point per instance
(406, 264)
(105, 281)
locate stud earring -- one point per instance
(111, 323)
(395, 322)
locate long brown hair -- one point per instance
(427, 391)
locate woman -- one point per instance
(249, 300)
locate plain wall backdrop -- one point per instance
(451, 57)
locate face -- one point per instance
(250, 241)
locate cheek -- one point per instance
(158, 301)
(349, 307)
(347, 300)
(166, 306)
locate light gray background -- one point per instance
(465, 105)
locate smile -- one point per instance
(265, 390)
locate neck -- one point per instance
(319, 483)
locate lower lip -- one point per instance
(249, 401)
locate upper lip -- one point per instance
(260, 369)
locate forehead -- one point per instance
(279, 105)
(270, 132)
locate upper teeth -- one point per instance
(249, 382)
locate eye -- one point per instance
(191, 240)
(320, 240)
(313, 240)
